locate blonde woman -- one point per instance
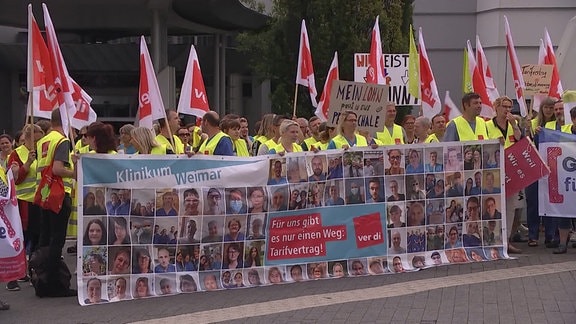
(145, 142)
(288, 142)
(347, 136)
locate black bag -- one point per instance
(58, 285)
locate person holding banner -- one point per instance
(392, 134)
(438, 129)
(231, 127)
(470, 126)
(347, 136)
(264, 133)
(288, 142)
(275, 135)
(326, 134)
(169, 127)
(313, 127)
(126, 146)
(145, 143)
(421, 128)
(545, 116)
(217, 143)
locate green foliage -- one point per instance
(333, 25)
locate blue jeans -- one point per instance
(533, 217)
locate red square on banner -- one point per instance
(368, 230)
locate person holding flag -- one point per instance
(504, 127)
(169, 127)
(217, 143)
(469, 126)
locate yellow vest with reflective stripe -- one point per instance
(280, 148)
(495, 133)
(260, 138)
(340, 141)
(241, 147)
(161, 139)
(432, 138)
(210, 144)
(465, 132)
(45, 149)
(396, 138)
(551, 125)
(27, 188)
(159, 150)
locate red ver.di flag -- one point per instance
(523, 166)
(12, 251)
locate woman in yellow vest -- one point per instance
(273, 137)
(326, 135)
(101, 138)
(144, 141)
(504, 125)
(265, 132)
(231, 126)
(347, 136)
(289, 135)
(23, 163)
(545, 115)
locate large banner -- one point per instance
(557, 190)
(161, 225)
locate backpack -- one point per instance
(60, 286)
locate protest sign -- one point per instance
(367, 100)
(395, 74)
(523, 166)
(537, 78)
(162, 225)
(557, 190)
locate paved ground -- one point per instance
(537, 287)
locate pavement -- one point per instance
(535, 287)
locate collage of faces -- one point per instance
(147, 242)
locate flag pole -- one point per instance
(295, 101)
(170, 136)
(30, 140)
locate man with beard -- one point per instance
(317, 169)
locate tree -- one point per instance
(333, 25)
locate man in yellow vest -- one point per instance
(54, 148)
(557, 124)
(438, 129)
(392, 134)
(231, 127)
(217, 142)
(469, 126)
(170, 128)
(313, 126)
(505, 128)
(81, 144)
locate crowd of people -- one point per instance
(41, 145)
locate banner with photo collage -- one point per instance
(162, 225)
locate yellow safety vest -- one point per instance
(196, 136)
(309, 142)
(45, 149)
(495, 133)
(241, 147)
(260, 138)
(432, 138)
(78, 147)
(396, 138)
(159, 150)
(161, 139)
(27, 188)
(321, 146)
(280, 148)
(210, 144)
(465, 132)
(551, 125)
(340, 141)
(109, 152)
(566, 128)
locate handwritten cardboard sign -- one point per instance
(537, 78)
(368, 101)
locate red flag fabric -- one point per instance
(150, 105)
(193, 98)
(431, 104)
(516, 71)
(556, 89)
(305, 72)
(40, 80)
(478, 84)
(324, 104)
(61, 76)
(84, 115)
(450, 110)
(376, 72)
(485, 72)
